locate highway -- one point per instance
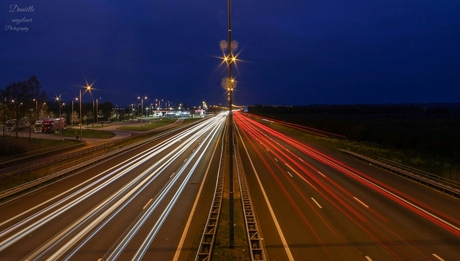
(137, 205)
(151, 203)
(313, 204)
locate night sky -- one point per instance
(296, 52)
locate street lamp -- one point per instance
(59, 100)
(88, 88)
(230, 59)
(142, 106)
(71, 114)
(97, 110)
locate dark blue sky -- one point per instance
(293, 53)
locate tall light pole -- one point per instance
(230, 59)
(142, 106)
(71, 114)
(81, 123)
(97, 113)
(60, 115)
(88, 88)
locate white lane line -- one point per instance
(172, 175)
(361, 202)
(285, 245)
(368, 258)
(147, 203)
(290, 174)
(300, 176)
(316, 202)
(438, 257)
(449, 226)
(276, 159)
(321, 174)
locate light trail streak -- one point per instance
(133, 231)
(361, 177)
(184, 145)
(113, 204)
(195, 204)
(145, 245)
(376, 234)
(270, 208)
(136, 162)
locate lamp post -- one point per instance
(230, 59)
(88, 88)
(60, 115)
(142, 106)
(97, 111)
(81, 136)
(71, 114)
(36, 108)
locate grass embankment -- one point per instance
(222, 250)
(86, 133)
(148, 125)
(12, 146)
(425, 161)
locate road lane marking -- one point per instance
(195, 204)
(270, 209)
(172, 175)
(147, 203)
(316, 202)
(276, 159)
(361, 202)
(399, 199)
(368, 258)
(321, 173)
(438, 257)
(301, 177)
(290, 174)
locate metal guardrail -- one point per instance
(209, 234)
(421, 172)
(74, 161)
(256, 246)
(442, 184)
(73, 166)
(10, 160)
(70, 158)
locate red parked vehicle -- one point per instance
(53, 125)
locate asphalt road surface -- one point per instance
(139, 205)
(151, 203)
(317, 205)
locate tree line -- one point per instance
(431, 128)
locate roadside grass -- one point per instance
(222, 250)
(423, 161)
(17, 180)
(11, 146)
(87, 133)
(146, 126)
